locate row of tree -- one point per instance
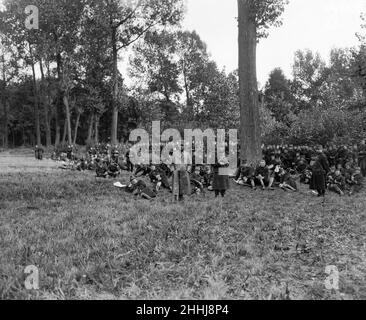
(62, 83)
(76, 49)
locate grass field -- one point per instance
(92, 241)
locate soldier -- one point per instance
(320, 169)
(113, 169)
(220, 178)
(82, 165)
(115, 154)
(332, 154)
(139, 188)
(181, 186)
(348, 172)
(69, 153)
(338, 183)
(356, 182)
(262, 175)
(301, 165)
(286, 181)
(38, 151)
(102, 169)
(242, 177)
(197, 181)
(342, 155)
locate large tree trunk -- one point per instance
(114, 132)
(90, 130)
(45, 106)
(6, 123)
(68, 117)
(13, 135)
(76, 127)
(5, 106)
(36, 100)
(96, 129)
(64, 133)
(57, 126)
(249, 111)
(57, 111)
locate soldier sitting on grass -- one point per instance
(113, 169)
(139, 188)
(356, 184)
(81, 165)
(197, 181)
(263, 177)
(337, 183)
(247, 175)
(287, 182)
(158, 178)
(102, 169)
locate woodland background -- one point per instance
(61, 84)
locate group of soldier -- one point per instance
(339, 169)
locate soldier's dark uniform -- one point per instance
(38, 152)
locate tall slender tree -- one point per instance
(125, 22)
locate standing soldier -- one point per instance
(220, 178)
(40, 153)
(36, 152)
(320, 170)
(181, 178)
(69, 152)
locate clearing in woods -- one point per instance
(24, 161)
(93, 241)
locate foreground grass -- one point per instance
(92, 241)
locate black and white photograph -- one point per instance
(192, 151)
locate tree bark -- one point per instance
(45, 106)
(96, 129)
(36, 100)
(64, 133)
(68, 118)
(5, 106)
(90, 130)
(114, 132)
(76, 128)
(57, 126)
(6, 123)
(249, 111)
(57, 111)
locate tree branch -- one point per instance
(138, 36)
(128, 16)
